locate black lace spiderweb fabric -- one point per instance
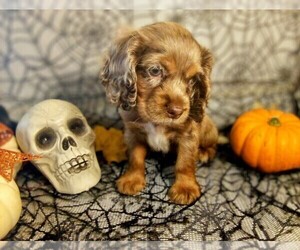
(236, 204)
(56, 54)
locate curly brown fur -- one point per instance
(160, 77)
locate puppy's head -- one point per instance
(162, 71)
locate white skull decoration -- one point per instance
(58, 132)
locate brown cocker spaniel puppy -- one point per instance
(160, 77)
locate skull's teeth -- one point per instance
(73, 166)
(78, 164)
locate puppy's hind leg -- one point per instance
(208, 140)
(206, 154)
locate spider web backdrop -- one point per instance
(57, 53)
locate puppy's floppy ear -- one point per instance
(118, 73)
(202, 86)
(206, 64)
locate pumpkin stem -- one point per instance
(274, 121)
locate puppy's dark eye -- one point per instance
(155, 71)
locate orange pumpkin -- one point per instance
(268, 140)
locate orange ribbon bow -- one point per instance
(9, 158)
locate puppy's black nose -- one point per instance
(174, 111)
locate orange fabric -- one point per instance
(9, 158)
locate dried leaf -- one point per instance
(111, 143)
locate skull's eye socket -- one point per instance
(45, 138)
(77, 126)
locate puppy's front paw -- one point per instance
(131, 184)
(184, 192)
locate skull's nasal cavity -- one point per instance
(67, 142)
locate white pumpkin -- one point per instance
(10, 199)
(10, 206)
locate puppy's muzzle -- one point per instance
(174, 111)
